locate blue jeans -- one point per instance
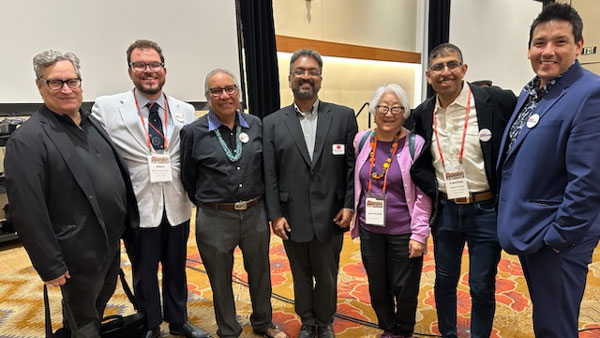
(474, 224)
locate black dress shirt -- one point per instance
(207, 173)
(105, 175)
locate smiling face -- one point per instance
(63, 101)
(447, 82)
(305, 78)
(147, 82)
(553, 49)
(225, 105)
(389, 123)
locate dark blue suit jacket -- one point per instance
(550, 180)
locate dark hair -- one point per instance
(307, 52)
(443, 50)
(562, 12)
(144, 44)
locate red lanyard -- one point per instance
(144, 122)
(386, 164)
(462, 144)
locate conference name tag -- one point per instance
(375, 210)
(456, 183)
(160, 168)
(338, 149)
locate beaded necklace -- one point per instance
(387, 162)
(238, 144)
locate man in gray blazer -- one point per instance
(309, 164)
(145, 123)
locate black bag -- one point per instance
(115, 326)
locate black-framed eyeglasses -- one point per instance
(452, 65)
(397, 110)
(311, 72)
(141, 66)
(58, 84)
(217, 91)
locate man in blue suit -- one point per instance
(549, 173)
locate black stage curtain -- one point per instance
(262, 75)
(439, 28)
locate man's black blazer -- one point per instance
(52, 201)
(494, 107)
(309, 194)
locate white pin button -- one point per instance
(244, 137)
(179, 117)
(485, 135)
(533, 120)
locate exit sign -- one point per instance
(588, 50)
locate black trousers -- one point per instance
(315, 303)
(166, 244)
(393, 280)
(87, 293)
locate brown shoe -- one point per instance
(272, 332)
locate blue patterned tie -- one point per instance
(155, 129)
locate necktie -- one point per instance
(155, 129)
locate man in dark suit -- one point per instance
(549, 175)
(70, 195)
(309, 162)
(462, 126)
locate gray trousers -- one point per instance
(218, 232)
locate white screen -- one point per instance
(195, 35)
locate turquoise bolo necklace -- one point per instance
(238, 144)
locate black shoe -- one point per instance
(307, 331)
(326, 331)
(151, 333)
(187, 330)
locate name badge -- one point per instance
(339, 149)
(375, 210)
(160, 168)
(456, 183)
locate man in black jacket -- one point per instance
(309, 165)
(70, 195)
(462, 126)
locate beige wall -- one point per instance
(589, 10)
(376, 23)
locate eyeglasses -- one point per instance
(311, 72)
(58, 84)
(217, 91)
(385, 109)
(452, 65)
(141, 66)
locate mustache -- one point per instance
(309, 81)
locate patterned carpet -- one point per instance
(21, 306)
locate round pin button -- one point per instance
(485, 135)
(179, 117)
(533, 120)
(244, 137)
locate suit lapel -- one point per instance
(544, 105)
(55, 131)
(131, 120)
(293, 124)
(484, 112)
(177, 125)
(323, 123)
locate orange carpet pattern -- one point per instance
(21, 306)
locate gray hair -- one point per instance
(395, 89)
(443, 50)
(307, 52)
(47, 58)
(213, 72)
